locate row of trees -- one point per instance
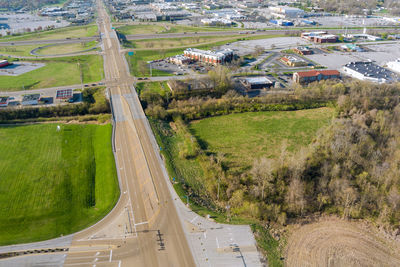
(28, 4)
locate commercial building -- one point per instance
(4, 101)
(32, 99)
(303, 50)
(319, 37)
(211, 57)
(179, 60)
(293, 61)
(369, 71)
(394, 65)
(252, 83)
(304, 77)
(286, 12)
(281, 22)
(64, 94)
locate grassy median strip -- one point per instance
(54, 182)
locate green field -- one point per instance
(61, 33)
(18, 50)
(66, 48)
(166, 28)
(57, 72)
(54, 183)
(160, 88)
(248, 136)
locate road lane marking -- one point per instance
(110, 255)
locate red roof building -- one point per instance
(315, 75)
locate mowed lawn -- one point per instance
(247, 136)
(54, 183)
(57, 72)
(59, 33)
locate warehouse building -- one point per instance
(253, 83)
(305, 77)
(368, 71)
(211, 57)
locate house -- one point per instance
(293, 61)
(252, 83)
(369, 71)
(304, 77)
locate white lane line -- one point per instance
(97, 253)
(216, 239)
(119, 264)
(205, 236)
(140, 223)
(110, 255)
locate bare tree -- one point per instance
(262, 174)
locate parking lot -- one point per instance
(380, 53)
(242, 48)
(19, 67)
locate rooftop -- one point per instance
(370, 69)
(313, 73)
(258, 80)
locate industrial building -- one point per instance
(293, 61)
(369, 71)
(304, 77)
(252, 83)
(281, 22)
(211, 57)
(394, 65)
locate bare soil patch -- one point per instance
(335, 242)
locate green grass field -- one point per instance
(54, 183)
(248, 136)
(57, 72)
(66, 48)
(166, 28)
(61, 33)
(18, 50)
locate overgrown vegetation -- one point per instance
(351, 168)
